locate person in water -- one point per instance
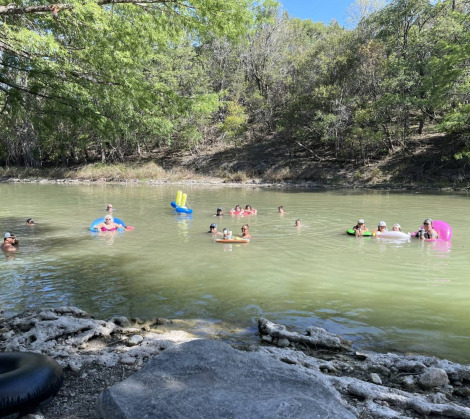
(213, 230)
(280, 210)
(30, 222)
(108, 225)
(298, 223)
(428, 231)
(381, 228)
(226, 234)
(219, 212)
(109, 208)
(396, 227)
(10, 243)
(360, 227)
(245, 232)
(249, 210)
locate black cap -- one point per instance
(213, 225)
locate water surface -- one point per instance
(409, 296)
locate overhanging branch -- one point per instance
(14, 9)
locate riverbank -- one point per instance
(222, 182)
(96, 354)
(423, 165)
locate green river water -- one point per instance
(405, 296)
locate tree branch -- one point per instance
(13, 9)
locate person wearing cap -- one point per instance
(30, 222)
(428, 231)
(10, 243)
(396, 227)
(213, 230)
(381, 228)
(360, 227)
(219, 212)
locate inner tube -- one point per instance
(352, 232)
(393, 235)
(234, 240)
(101, 220)
(26, 380)
(184, 209)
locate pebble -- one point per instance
(375, 378)
(128, 360)
(134, 340)
(283, 343)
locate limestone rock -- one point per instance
(433, 377)
(209, 379)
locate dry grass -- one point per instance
(119, 172)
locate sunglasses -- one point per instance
(426, 224)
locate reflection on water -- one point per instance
(409, 296)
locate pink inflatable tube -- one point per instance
(443, 229)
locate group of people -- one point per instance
(245, 234)
(426, 232)
(226, 234)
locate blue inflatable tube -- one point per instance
(101, 220)
(181, 209)
(184, 209)
(27, 379)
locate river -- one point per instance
(384, 295)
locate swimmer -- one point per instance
(10, 243)
(360, 227)
(428, 231)
(109, 208)
(108, 225)
(30, 222)
(396, 227)
(213, 230)
(249, 210)
(298, 223)
(226, 234)
(381, 228)
(280, 210)
(219, 212)
(245, 232)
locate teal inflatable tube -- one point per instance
(101, 220)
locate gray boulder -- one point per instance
(209, 379)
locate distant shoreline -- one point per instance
(255, 183)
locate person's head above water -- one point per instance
(108, 218)
(213, 228)
(30, 222)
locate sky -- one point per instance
(318, 10)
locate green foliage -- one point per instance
(235, 120)
(101, 81)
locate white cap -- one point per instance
(397, 225)
(361, 221)
(7, 235)
(382, 224)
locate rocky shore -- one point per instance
(96, 355)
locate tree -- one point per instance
(104, 69)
